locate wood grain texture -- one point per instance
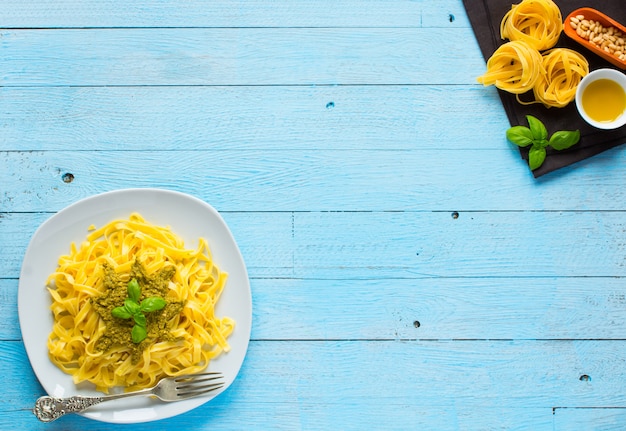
(240, 56)
(589, 418)
(403, 245)
(241, 13)
(334, 180)
(370, 385)
(247, 118)
(419, 310)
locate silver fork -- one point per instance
(168, 389)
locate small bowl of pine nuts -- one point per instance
(598, 33)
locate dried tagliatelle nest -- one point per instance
(514, 67)
(563, 69)
(537, 22)
(519, 66)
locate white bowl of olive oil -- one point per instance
(601, 98)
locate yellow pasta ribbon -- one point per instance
(536, 22)
(518, 66)
(198, 282)
(564, 69)
(514, 67)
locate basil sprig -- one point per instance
(536, 136)
(136, 309)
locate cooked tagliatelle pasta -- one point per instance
(536, 22)
(187, 339)
(563, 71)
(514, 67)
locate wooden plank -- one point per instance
(10, 328)
(479, 244)
(429, 385)
(590, 419)
(310, 180)
(242, 13)
(249, 117)
(442, 276)
(450, 309)
(405, 245)
(240, 56)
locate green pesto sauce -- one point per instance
(118, 331)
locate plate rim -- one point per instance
(84, 203)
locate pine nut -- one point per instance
(610, 39)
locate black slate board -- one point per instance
(485, 17)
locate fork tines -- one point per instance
(192, 385)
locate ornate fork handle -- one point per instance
(48, 408)
(177, 388)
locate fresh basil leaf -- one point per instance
(134, 291)
(564, 139)
(140, 319)
(138, 334)
(120, 313)
(153, 303)
(536, 156)
(520, 136)
(131, 306)
(543, 143)
(537, 128)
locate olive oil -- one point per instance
(604, 100)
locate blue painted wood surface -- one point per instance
(407, 271)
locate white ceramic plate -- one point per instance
(190, 218)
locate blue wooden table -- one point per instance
(407, 270)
